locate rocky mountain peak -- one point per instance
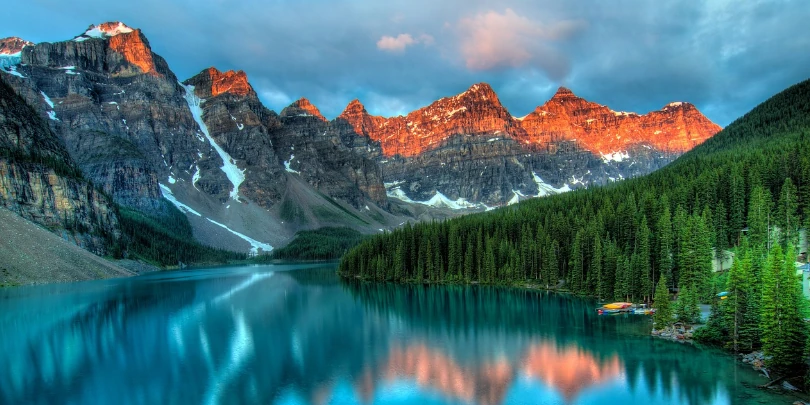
(678, 105)
(563, 92)
(128, 42)
(476, 111)
(212, 82)
(104, 30)
(676, 128)
(13, 45)
(354, 107)
(302, 108)
(480, 90)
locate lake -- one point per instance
(296, 334)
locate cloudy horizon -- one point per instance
(723, 56)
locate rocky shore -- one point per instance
(677, 332)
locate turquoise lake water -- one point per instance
(296, 334)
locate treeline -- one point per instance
(617, 241)
(165, 241)
(320, 244)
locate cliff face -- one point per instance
(40, 182)
(314, 151)
(477, 111)
(270, 148)
(235, 119)
(676, 128)
(468, 149)
(121, 113)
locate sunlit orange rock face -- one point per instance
(476, 111)
(569, 370)
(362, 122)
(135, 49)
(302, 107)
(211, 83)
(12, 45)
(229, 82)
(677, 127)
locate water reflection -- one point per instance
(569, 370)
(295, 334)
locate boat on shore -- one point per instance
(624, 307)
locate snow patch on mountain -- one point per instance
(438, 200)
(167, 194)
(9, 62)
(287, 165)
(254, 244)
(51, 113)
(615, 157)
(544, 189)
(196, 177)
(229, 167)
(103, 31)
(457, 110)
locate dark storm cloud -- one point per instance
(724, 56)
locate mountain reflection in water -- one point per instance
(295, 334)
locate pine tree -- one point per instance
(686, 307)
(759, 217)
(643, 252)
(737, 203)
(784, 333)
(665, 243)
(721, 235)
(576, 264)
(489, 262)
(662, 305)
(787, 216)
(553, 265)
(596, 269)
(739, 306)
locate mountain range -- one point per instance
(249, 178)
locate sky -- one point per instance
(724, 56)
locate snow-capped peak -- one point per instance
(105, 30)
(12, 46)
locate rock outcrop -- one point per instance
(477, 111)
(40, 182)
(312, 149)
(676, 128)
(236, 121)
(12, 45)
(302, 108)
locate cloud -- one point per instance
(725, 56)
(402, 41)
(491, 41)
